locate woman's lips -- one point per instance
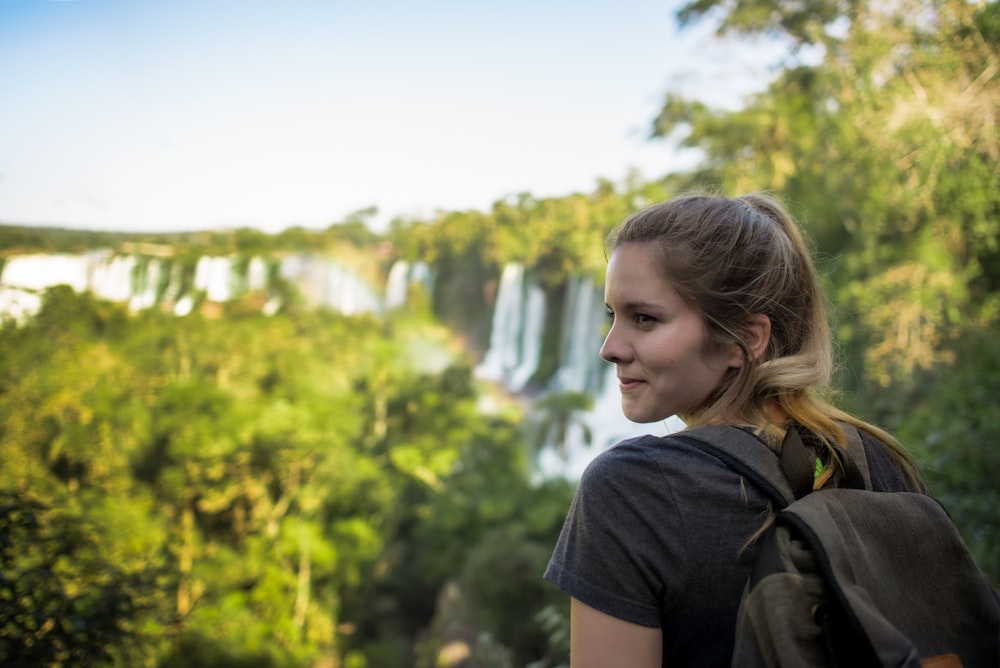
(629, 384)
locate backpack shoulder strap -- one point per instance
(798, 460)
(798, 453)
(745, 454)
(783, 478)
(857, 475)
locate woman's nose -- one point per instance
(612, 350)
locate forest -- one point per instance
(303, 489)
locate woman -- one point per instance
(717, 316)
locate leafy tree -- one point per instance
(52, 612)
(885, 147)
(270, 477)
(953, 428)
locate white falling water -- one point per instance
(112, 279)
(347, 293)
(397, 284)
(175, 284)
(145, 282)
(214, 276)
(38, 272)
(403, 276)
(18, 304)
(517, 330)
(583, 315)
(504, 349)
(531, 338)
(257, 275)
(325, 283)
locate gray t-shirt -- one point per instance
(658, 534)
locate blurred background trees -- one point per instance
(254, 490)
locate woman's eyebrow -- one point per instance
(640, 306)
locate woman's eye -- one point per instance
(610, 315)
(643, 319)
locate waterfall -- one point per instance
(505, 329)
(516, 332)
(145, 284)
(112, 279)
(144, 281)
(582, 319)
(397, 284)
(531, 339)
(325, 283)
(347, 293)
(174, 284)
(38, 272)
(403, 275)
(257, 275)
(214, 276)
(18, 304)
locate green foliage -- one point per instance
(953, 427)
(804, 21)
(502, 573)
(885, 150)
(352, 232)
(272, 491)
(554, 413)
(465, 476)
(18, 239)
(61, 602)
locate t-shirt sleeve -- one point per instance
(614, 553)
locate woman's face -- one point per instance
(657, 341)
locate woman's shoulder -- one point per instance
(650, 460)
(646, 449)
(625, 460)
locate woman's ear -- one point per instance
(758, 337)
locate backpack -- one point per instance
(847, 576)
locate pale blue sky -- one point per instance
(195, 114)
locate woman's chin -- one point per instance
(640, 416)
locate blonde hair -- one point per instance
(735, 258)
